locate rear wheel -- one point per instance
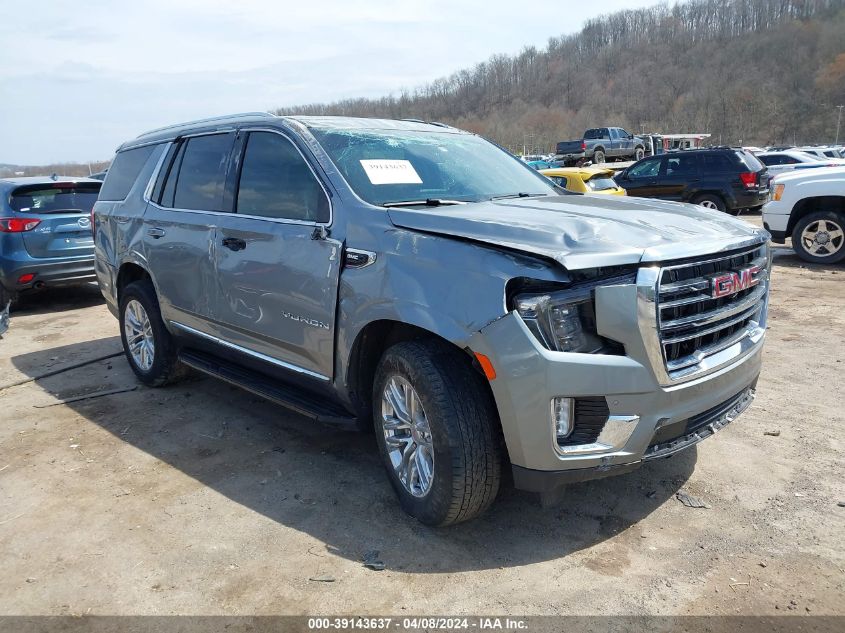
(148, 346)
(709, 201)
(435, 424)
(820, 237)
(639, 153)
(599, 157)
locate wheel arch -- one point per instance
(129, 272)
(700, 193)
(805, 206)
(369, 346)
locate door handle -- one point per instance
(156, 232)
(234, 243)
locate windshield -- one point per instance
(391, 166)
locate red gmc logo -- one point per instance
(732, 282)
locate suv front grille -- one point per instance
(695, 322)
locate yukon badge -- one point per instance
(305, 320)
(734, 281)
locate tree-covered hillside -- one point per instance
(749, 71)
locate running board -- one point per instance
(293, 398)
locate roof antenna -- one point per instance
(54, 176)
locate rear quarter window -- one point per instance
(124, 172)
(750, 160)
(720, 161)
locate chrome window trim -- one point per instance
(249, 352)
(148, 190)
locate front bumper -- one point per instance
(691, 432)
(641, 409)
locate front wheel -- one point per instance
(820, 237)
(435, 423)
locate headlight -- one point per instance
(563, 321)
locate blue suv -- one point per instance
(45, 233)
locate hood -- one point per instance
(584, 231)
(817, 173)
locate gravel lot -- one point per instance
(203, 499)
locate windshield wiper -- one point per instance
(428, 202)
(521, 194)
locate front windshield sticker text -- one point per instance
(391, 172)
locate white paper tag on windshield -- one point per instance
(391, 172)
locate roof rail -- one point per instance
(208, 120)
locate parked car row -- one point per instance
(783, 161)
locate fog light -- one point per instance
(25, 279)
(562, 416)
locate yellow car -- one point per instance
(585, 179)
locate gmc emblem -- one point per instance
(732, 282)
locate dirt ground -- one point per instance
(203, 499)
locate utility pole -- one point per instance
(838, 123)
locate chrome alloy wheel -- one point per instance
(708, 204)
(407, 435)
(139, 335)
(822, 238)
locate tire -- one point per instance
(455, 426)
(599, 157)
(819, 237)
(710, 201)
(164, 368)
(639, 153)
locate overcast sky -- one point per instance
(78, 78)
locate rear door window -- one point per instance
(682, 165)
(123, 172)
(59, 197)
(198, 175)
(276, 182)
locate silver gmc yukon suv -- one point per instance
(415, 279)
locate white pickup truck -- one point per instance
(809, 207)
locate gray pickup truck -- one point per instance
(600, 144)
(418, 281)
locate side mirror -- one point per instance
(631, 137)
